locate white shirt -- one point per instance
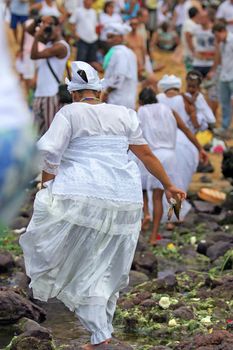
(204, 44)
(46, 84)
(121, 74)
(86, 147)
(105, 19)
(176, 103)
(158, 125)
(49, 10)
(180, 11)
(86, 22)
(226, 50)
(71, 5)
(225, 11)
(188, 27)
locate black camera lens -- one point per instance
(48, 30)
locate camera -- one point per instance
(48, 30)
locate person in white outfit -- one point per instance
(187, 155)
(83, 233)
(47, 8)
(54, 57)
(159, 126)
(120, 66)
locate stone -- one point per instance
(166, 284)
(219, 339)
(13, 306)
(20, 222)
(227, 219)
(20, 280)
(142, 244)
(19, 263)
(188, 250)
(160, 347)
(148, 303)
(26, 325)
(29, 341)
(184, 313)
(204, 207)
(220, 236)
(116, 346)
(6, 262)
(218, 249)
(136, 277)
(145, 262)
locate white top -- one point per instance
(49, 86)
(204, 44)
(86, 22)
(225, 11)
(87, 146)
(105, 19)
(71, 5)
(121, 74)
(47, 10)
(205, 115)
(180, 11)
(226, 49)
(188, 27)
(158, 125)
(176, 103)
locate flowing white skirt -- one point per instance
(167, 158)
(80, 249)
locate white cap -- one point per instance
(84, 77)
(169, 82)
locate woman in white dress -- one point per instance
(159, 126)
(187, 156)
(81, 239)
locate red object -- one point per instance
(159, 238)
(229, 321)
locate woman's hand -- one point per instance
(174, 192)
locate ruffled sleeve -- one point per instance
(53, 144)
(135, 132)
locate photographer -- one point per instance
(51, 66)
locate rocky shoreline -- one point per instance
(180, 295)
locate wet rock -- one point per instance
(115, 346)
(228, 218)
(148, 303)
(21, 281)
(220, 236)
(136, 277)
(188, 250)
(159, 317)
(13, 306)
(20, 222)
(218, 249)
(145, 262)
(225, 289)
(144, 295)
(126, 304)
(184, 313)
(32, 340)
(142, 244)
(166, 284)
(203, 246)
(19, 263)
(28, 325)
(6, 262)
(204, 207)
(160, 347)
(217, 340)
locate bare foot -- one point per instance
(92, 347)
(153, 241)
(170, 226)
(146, 223)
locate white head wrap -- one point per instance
(78, 83)
(168, 82)
(117, 29)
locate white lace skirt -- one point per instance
(80, 250)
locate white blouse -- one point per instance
(158, 125)
(86, 146)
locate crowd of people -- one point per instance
(90, 147)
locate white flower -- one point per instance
(206, 320)
(172, 323)
(164, 302)
(193, 240)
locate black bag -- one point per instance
(63, 94)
